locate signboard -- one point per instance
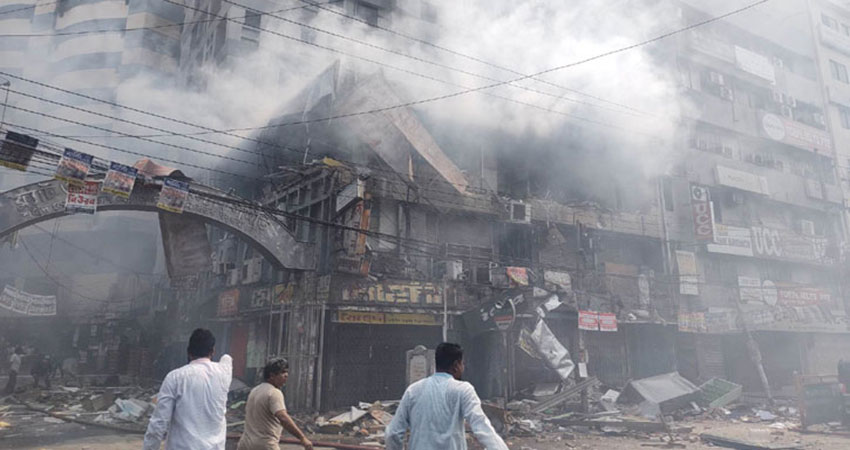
(688, 275)
(259, 298)
(403, 292)
(28, 304)
(702, 213)
(283, 293)
(82, 199)
(749, 289)
(742, 180)
(73, 167)
(173, 195)
(17, 150)
(607, 322)
(379, 318)
(782, 244)
(120, 180)
(352, 258)
(588, 320)
(731, 241)
(754, 63)
(783, 129)
(354, 191)
(693, 322)
(228, 303)
(517, 275)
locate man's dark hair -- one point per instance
(446, 355)
(19, 350)
(275, 367)
(201, 343)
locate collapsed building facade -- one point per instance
(418, 234)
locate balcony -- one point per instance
(834, 39)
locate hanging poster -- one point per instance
(17, 150)
(607, 322)
(29, 304)
(120, 179)
(688, 275)
(702, 212)
(82, 199)
(588, 320)
(228, 303)
(73, 167)
(173, 195)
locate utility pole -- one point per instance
(581, 357)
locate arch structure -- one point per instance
(45, 200)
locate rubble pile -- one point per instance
(128, 407)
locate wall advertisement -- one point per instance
(731, 241)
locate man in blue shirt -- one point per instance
(434, 409)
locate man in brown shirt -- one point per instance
(265, 412)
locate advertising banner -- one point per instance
(120, 180)
(173, 195)
(74, 167)
(82, 199)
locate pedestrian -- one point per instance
(14, 368)
(192, 400)
(41, 370)
(434, 409)
(265, 412)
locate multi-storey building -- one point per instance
(755, 207)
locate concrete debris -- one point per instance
(659, 394)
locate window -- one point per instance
(366, 13)
(844, 112)
(839, 71)
(667, 190)
(829, 22)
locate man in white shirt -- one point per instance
(434, 409)
(192, 401)
(14, 368)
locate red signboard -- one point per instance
(228, 303)
(607, 322)
(588, 320)
(702, 213)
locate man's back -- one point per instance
(191, 406)
(434, 409)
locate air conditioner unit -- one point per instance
(807, 227)
(758, 159)
(778, 97)
(778, 62)
(520, 212)
(449, 270)
(252, 270)
(728, 152)
(716, 78)
(791, 101)
(787, 111)
(233, 277)
(726, 93)
(819, 119)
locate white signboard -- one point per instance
(739, 179)
(731, 241)
(688, 276)
(754, 63)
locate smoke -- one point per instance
(618, 111)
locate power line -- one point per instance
(28, 7)
(155, 27)
(416, 58)
(296, 151)
(525, 77)
(473, 58)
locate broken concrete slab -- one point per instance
(659, 394)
